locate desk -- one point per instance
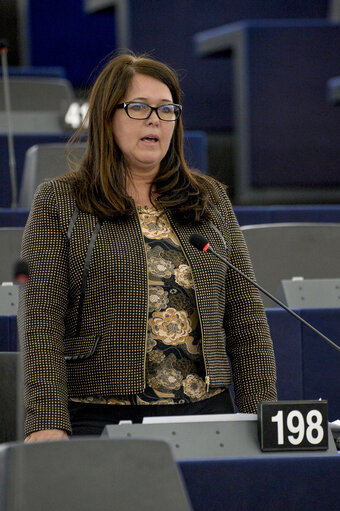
(13, 217)
(8, 333)
(246, 215)
(263, 484)
(280, 72)
(249, 215)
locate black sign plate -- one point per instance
(293, 425)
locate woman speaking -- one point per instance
(123, 318)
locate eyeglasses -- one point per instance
(169, 112)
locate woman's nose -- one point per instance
(153, 119)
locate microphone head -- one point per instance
(198, 241)
(3, 45)
(21, 272)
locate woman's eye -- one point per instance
(167, 109)
(137, 107)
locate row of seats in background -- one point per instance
(43, 155)
(259, 97)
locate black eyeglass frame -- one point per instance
(153, 108)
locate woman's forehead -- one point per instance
(143, 87)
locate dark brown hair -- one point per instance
(101, 176)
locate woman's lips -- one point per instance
(150, 139)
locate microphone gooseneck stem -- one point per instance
(11, 153)
(260, 288)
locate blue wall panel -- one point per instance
(294, 131)
(167, 33)
(62, 34)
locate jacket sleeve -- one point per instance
(42, 308)
(248, 340)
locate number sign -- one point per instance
(293, 425)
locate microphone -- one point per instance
(201, 243)
(21, 272)
(10, 138)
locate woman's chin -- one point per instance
(145, 164)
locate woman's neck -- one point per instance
(139, 187)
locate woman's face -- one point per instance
(144, 143)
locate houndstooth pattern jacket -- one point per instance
(83, 315)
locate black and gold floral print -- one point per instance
(175, 369)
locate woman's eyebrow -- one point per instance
(146, 99)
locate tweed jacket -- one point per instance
(83, 315)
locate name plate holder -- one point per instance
(208, 436)
(294, 425)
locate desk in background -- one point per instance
(13, 217)
(246, 215)
(276, 95)
(249, 215)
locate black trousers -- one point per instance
(90, 419)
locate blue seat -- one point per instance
(287, 250)
(22, 142)
(37, 104)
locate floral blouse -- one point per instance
(174, 362)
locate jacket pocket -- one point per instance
(80, 348)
